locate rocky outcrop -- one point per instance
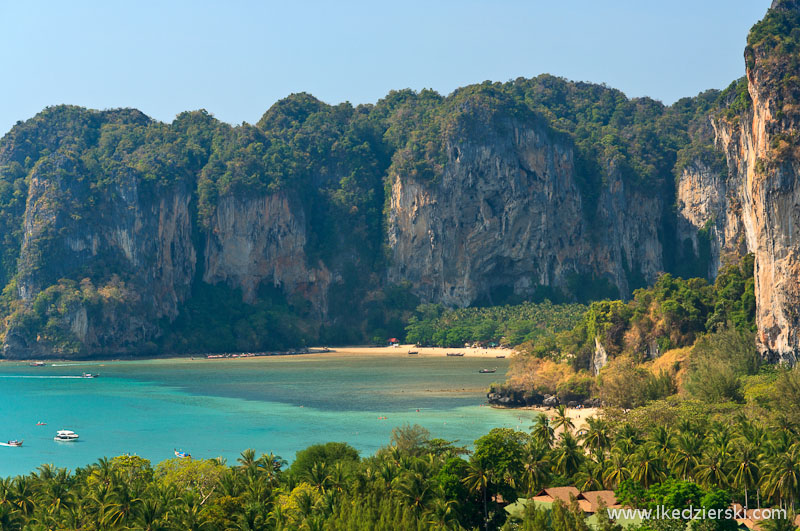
(506, 212)
(770, 199)
(599, 357)
(507, 216)
(769, 185)
(764, 168)
(134, 239)
(709, 214)
(263, 239)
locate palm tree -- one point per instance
(247, 461)
(779, 524)
(567, 456)
(150, 515)
(441, 514)
(649, 468)
(746, 472)
(387, 474)
(590, 477)
(125, 503)
(277, 518)
(782, 477)
(272, 466)
(230, 484)
(103, 471)
(627, 439)
(101, 505)
(477, 480)
(318, 476)
(339, 477)
(542, 432)
(662, 440)
(416, 490)
(22, 495)
(192, 513)
(596, 438)
(616, 469)
(686, 455)
(54, 494)
(536, 468)
(252, 518)
(712, 470)
(720, 436)
(10, 518)
(256, 491)
(562, 419)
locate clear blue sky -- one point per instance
(236, 58)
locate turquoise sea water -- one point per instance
(217, 408)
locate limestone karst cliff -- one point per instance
(761, 145)
(507, 215)
(120, 234)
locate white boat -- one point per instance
(66, 436)
(12, 443)
(89, 375)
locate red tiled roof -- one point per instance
(560, 493)
(594, 497)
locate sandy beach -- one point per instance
(423, 351)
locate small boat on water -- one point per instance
(413, 352)
(455, 354)
(66, 436)
(182, 455)
(38, 364)
(40, 423)
(89, 375)
(500, 356)
(487, 371)
(13, 442)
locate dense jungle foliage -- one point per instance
(434, 325)
(657, 327)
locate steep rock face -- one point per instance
(771, 219)
(124, 237)
(709, 214)
(505, 212)
(261, 239)
(767, 179)
(624, 239)
(507, 215)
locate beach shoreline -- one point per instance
(404, 350)
(352, 351)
